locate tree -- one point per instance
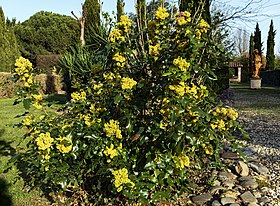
(257, 39)
(46, 33)
(241, 42)
(9, 51)
(270, 56)
(196, 5)
(251, 53)
(120, 9)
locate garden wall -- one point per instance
(49, 83)
(270, 78)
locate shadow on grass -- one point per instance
(5, 198)
(56, 99)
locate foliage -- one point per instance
(258, 40)
(139, 130)
(270, 56)
(46, 33)
(251, 54)
(8, 44)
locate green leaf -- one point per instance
(118, 98)
(27, 103)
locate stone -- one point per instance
(227, 200)
(264, 200)
(242, 169)
(253, 204)
(216, 189)
(201, 199)
(247, 178)
(231, 193)
(259, 168)
(257, 194)
(249, 184)
(216, 203)
(248, 197)
(229, 184)
(234, 204)
(230, 155)
(227, 175)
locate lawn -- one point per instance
(12, 143)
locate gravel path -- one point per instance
(264, 131)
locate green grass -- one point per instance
(11, 143)
(261, 101)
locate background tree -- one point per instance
(251, 53)
(141, 19)
(120, 9)
(9, 51)
(270, 56)
(197, 5)
(46, 33)
(257, 39)
(241, 42)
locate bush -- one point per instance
(142, 127)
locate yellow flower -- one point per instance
(23, 66)
(76, 96)
(127, 83)
(88, 120)
(28, 120)
(113, 129)
(124, 23)
(154, 50)
(208, 149)
(232, 114)
(161, 14)
(44, 141)
(37, 105)
(181, 161)
(37, 97)
(204, 26)
(179, 89)
(64, 145)
(181, 63)
(26, 84)
(116, 35)
(121, 178)
(198, 34)
(183, 18)
(45, 153)
(110, 151)
(119, 59)
(221, 124)
(109, 76)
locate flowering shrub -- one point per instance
(139, 129)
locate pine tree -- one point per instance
(251, 53)
(257, 39)
(196, 5)
(120, 9)
(270, 56)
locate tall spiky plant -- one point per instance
(141, 18)
(270, 56)
(251, 53)
(120, 9)
(257, 39)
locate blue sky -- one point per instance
(23, 9)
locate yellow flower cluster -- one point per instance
(110, 76)
(65, 145)
(154, 51)
(119, 59)
(124, 23)
(36, 100)
(28, 120)
(116, 35)
(197, 92)
(227, 113)
(161, 14)
(179, 89)
(98, 88)
(181, 161)
(78, 96)
(24, 70)
(219, 124)
(44, 141)
(121, 178)
(110, 151)
(181, 63)
(183, 18)
(204, 26)
(208, 149)
(127, 83)
(113, 129)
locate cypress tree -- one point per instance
(8, 45)
(251, 53)
(91, 13)
(196, 5)
(270, 56)
(120, 9)
(258, 39)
